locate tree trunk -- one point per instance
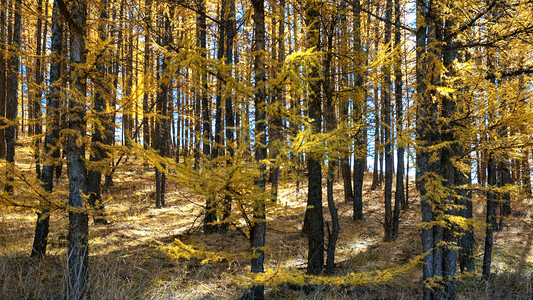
(216, 151)
(386, 90)
(230, 123)
(399, 195)
(12, 100)
(3, 78)
(40, 240)
(78, 236)
(490, 217)
(359, 103)
(377, 120)
(422, 155)
(258, 230)
(94, 175)
(314, 215)
(278, 101)
(330, 124)
(526, 172)
(162, 129)
(147, 75)
(37, 127)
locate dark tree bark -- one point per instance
(37, 127)
(278, 101)
(230, 123)
(466, 237)
(359, 103)
(389, 161)
(217, 146)
(78, 236)
(330, 124)
(258, 230)
(423, 135)
(399, 195)
(505, 179)
(200, 36)
(162, 125)
(210, 214)
(344, 109)
(3, 77)
(112, 68)
(94, 175)
(526, 171)
(40, 240)
(377, 119)
(314, 215)
(491, 216)
(147, 74)
(12, 99)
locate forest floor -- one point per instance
(131, 256)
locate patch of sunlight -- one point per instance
(355, 247)
(294, 263)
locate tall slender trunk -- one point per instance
(162, 125)
(12, 100)
(147, 74)
(94, 175)
(78, 236)
(490, 216)
(422, 154)
(399, 195)
(230, 123)
(359, 103)
(526, 172)
(217, 146)
(314, 214)
(42, 225)
(344, 109)
(330, 124)
(278, 101)
(377, 118)
(37, 127)
(386, 92)
(258, 230)
(3, 77)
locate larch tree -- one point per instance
(12, 99)
(3, 78)
(101, 121)
(358, 111)
(386, 89)
(314, 218)
(78, 230)
(258, 230)
(51, 140)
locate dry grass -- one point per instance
(129, 261)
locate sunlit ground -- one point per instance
(130, 256)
